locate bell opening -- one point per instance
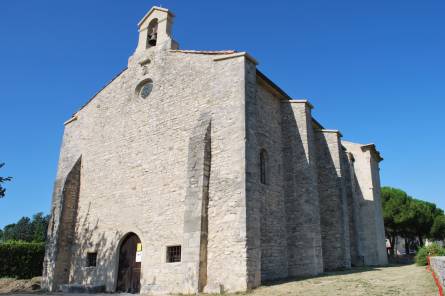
(152, 39)
(152, 33)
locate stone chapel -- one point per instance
(192, 171)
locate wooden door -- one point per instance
(129, 272)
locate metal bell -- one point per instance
(152, 39)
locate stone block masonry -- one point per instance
(221, 179)
(334, 218)
(301, 189)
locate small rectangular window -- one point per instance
(174, 254)
(91, 259)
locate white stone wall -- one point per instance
(134, 170)
(333, 204)
(352, 207)
(265, 111)
(301, 189)
(367, 193)
(145, 168)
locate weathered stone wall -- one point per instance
(54, 263)
(438, 266)
(227, 205)
(135, 170)
(264, 123)
(353, 208)
(182, 167)
(69, 203)
(300, 190)
(333, 204)
(253, 201)
(371, 231)
(196, 205)
(382, 257)
(283, 214)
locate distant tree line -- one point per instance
(412, 219)
(26, 229)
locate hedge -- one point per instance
(432, 250)
(21, 259)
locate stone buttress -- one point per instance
(199, 152)
(333, 204)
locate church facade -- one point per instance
(192, 171)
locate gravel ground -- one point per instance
(394, 280)
(9, 285)
(403, 280)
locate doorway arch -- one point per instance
(129, 269)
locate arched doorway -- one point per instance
(129, 271)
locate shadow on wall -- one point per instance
(106, 246)
(79, 238)
(61, 230)
(334, 217)
(368, 227)
(300, 191)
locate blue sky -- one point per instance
(373, 69)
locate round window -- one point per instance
(146, 89)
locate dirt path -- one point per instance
(9, 285)
(395, 280)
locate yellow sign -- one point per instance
(139, 247)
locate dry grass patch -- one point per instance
(406, 280)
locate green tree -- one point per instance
(397, 214)
(23, 230)
(423, 219)
(9, 232)
(26, 229)
(39, 227)
(3, 180)
(438, 228)
(410, 218)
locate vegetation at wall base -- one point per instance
(21, 260)
(430, 250)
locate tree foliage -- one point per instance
(396, 213)
(3, 180)
(410, 218)
(26, 229)
(438, 229)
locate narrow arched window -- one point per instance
(263, 166)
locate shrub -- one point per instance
(431, 250)
(21, 259)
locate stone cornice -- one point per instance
(235, 55)
(371, 147)
(151, 11)
(329, 131)
(74, 118)
(299, 101)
